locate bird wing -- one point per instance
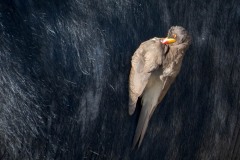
(146, 59)
(149, 102)
(153, 94)
(170, 76)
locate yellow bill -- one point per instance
(168, 40)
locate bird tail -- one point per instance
(149, 104)
(141, 126)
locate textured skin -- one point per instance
(154, 68)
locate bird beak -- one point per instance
(168, 40)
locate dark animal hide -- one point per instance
(64, 68)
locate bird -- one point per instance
(154, 67)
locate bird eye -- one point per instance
(174, 35)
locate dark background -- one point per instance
(64, 69)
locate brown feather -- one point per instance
(145, 59)
(154, 68)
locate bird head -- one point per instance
(177, 35)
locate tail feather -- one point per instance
(143, 131)
(141, 126)
(149, 103)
